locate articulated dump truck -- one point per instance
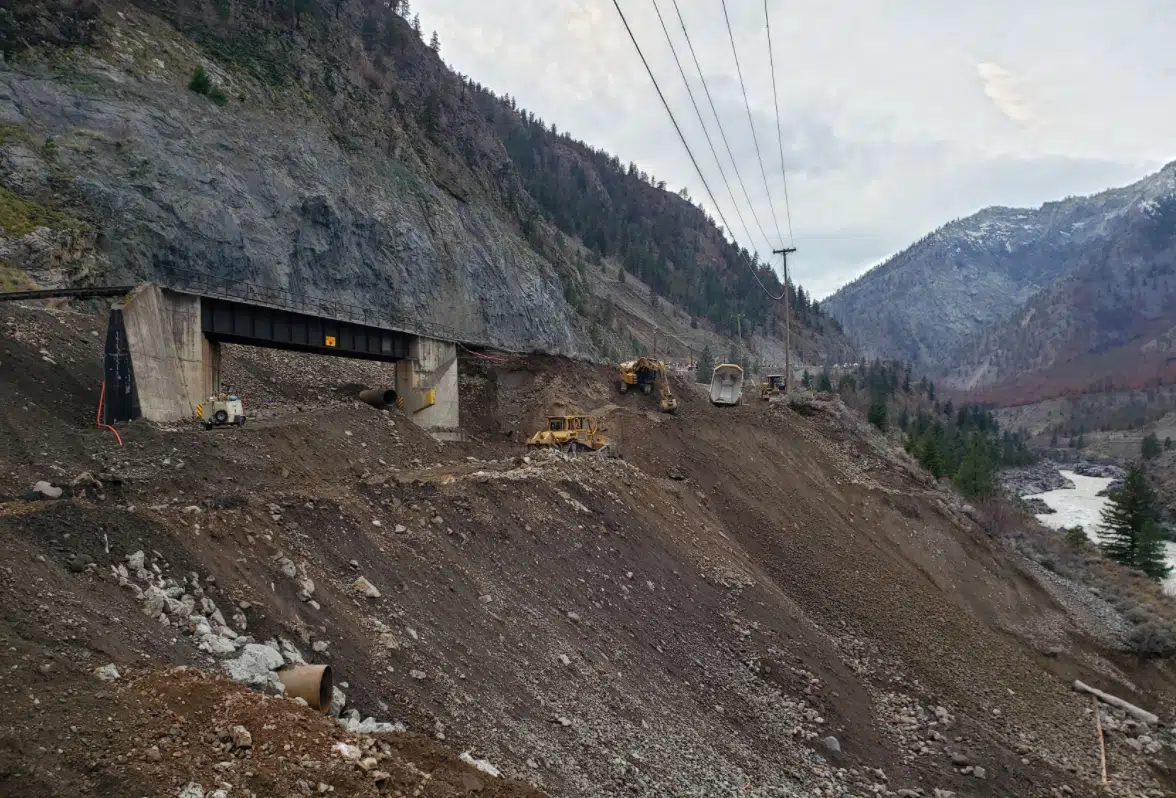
(727, 385)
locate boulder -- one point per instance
(365, 587)
(256, 667)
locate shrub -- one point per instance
(1152, 638)
(200, 83)
(1076, 537)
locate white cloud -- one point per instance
(1007, 93)
(887, 107)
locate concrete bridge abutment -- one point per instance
(163, 355)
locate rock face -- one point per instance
(284, 206)
(1009, 291)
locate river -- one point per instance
(1082, 506)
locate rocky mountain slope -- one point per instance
(1008, 290)
(817, 616)
(329, 150)
(1111, 322)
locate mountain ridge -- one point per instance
(937, 302)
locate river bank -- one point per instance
(1082, 504)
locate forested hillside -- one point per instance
(359, 166)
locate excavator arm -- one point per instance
(667, 401)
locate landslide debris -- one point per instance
(753, 601)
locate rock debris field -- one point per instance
(769, 600)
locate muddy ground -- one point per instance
(753, 601)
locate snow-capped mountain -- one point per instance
(942, 302)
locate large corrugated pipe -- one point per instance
(312, 683)
(379, 397)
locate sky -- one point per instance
(896, 116)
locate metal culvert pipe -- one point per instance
(314, 684)
(379, 397)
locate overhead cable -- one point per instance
(779, 129)
(750, 121)
(719, 123)
(682, 138)
(701, 123)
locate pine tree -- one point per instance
(1167, 444)
(1151, 448)
(1053, 439)
(876, 415)
(931, 391)
(906, 379)
(435, 43)
(1130, 529)
(824, 383)
(416, 24)
(930, 454)
(806, 381)
(975, 475)
(404, 9)
(706, 365)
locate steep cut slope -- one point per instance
(331, 152)
(813, 616)
(926, 302)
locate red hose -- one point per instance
(101, 401)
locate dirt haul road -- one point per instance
(754, 601)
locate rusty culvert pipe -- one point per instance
(379, 397)
(312, 683)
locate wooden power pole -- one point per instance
(787, 320)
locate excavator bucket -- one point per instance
(727, 385)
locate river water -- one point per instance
(1082, 506)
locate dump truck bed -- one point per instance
(726, 384)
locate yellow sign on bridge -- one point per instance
(330, 340)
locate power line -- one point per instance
(718, 121)
(779, 130)
(750, 121)
(682, 138)
(698, 113)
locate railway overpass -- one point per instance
(163, 344)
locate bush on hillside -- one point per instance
(202, 83)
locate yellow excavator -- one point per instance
(571, 433)
(646, 373)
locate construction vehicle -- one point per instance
(774, 387)
(221, 410)
(727, 385)
(646, 373)
(571, 433)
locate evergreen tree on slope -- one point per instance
(1130, 531)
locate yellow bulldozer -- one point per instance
(571, 433)
(775, 386)
(646, 373)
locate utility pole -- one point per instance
(787, 320)
(739, 330)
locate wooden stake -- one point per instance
(1102, 743)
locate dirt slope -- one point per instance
(753, 601)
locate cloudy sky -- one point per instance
(897, 115)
